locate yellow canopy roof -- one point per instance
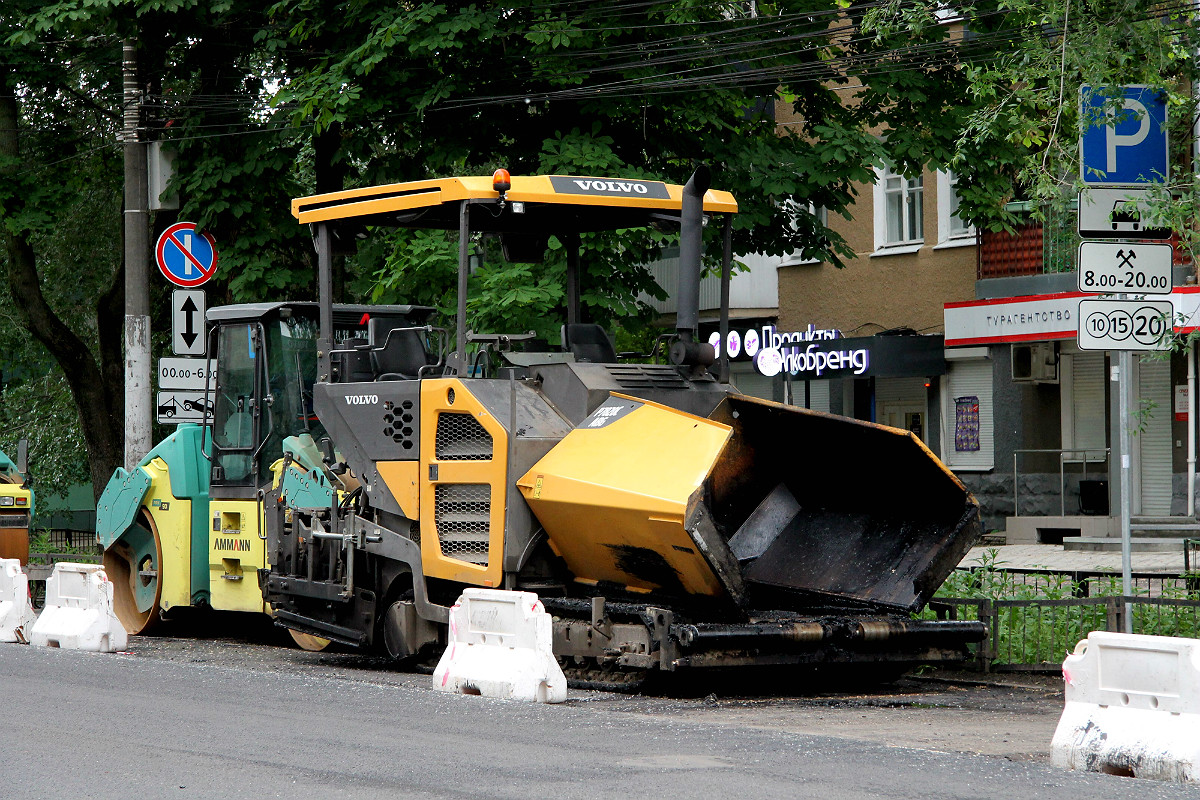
(551, 203)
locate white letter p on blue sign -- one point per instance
(1123, 138)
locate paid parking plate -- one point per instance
(1125, 324)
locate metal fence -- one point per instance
(1037, 634)
(1024, 584)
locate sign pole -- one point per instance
(1124, 387)
(137, 269)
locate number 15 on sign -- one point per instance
(1125, 324)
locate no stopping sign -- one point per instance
(185, 257)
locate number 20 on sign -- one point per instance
(1125, 324)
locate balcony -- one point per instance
(1040, 258)
(1036, 248)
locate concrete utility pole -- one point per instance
(137, 258)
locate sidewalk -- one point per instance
(1054, 557)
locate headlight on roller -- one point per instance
(7, 501)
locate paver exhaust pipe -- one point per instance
(687, 351)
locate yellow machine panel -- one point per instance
(464, 467)
(373, 200)
(171, 522)
(236, 553)
(403, 479)
(623, 520)
(15, 504)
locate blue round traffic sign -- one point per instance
(185, 257)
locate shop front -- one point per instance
(1033, 428)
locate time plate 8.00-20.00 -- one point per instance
(1125, 324)
(1125, 268)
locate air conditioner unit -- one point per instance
(1035, 363)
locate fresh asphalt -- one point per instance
(195, 724)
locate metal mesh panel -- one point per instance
(460, 437)
(462, 516)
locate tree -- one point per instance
(51, 173)
(1024, 69)
(302, 96)
(625, 89)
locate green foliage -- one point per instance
(42, 411)
(1024, 68)
(264, 103)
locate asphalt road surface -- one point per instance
(190, 717)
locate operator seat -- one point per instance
(402, 353)
(587, 341)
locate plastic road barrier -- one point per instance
(79, 611)
(16, 612)
(500, 646)
(1132, 707)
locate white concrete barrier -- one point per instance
(500, 646)
(16, 612)
(1132, 707)
(79, 611)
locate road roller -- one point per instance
(16, 505)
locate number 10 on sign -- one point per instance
(1125, 324)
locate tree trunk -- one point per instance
(100, 421)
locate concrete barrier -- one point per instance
(1132, 707)
(500, 646)
(16, 612)
(79, 611)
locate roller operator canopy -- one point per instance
(533, 204)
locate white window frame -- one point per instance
(950, 235)
(794, 258)
(906, 187)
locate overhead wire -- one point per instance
(715, 73)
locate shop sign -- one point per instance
(748, 344)
(1042, 318)
(821, 354)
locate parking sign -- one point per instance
(1123, 142)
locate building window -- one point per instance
(807, 209)
(899, 212)
(953, 231)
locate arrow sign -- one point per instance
(187, 322)
(189, 314)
